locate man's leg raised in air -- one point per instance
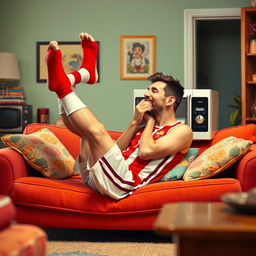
(87, 73)
(88, 66)
(84, 121)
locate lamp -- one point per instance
(9, 70)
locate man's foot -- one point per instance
(57, 78)
(53, 45)
(90, 53)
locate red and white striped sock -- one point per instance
(87, 72)
(89, 62)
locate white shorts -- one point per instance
(110, 175)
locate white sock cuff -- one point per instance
(71, 79)
(72, 103)
(61, 108)
(60, 104)
(85, 75)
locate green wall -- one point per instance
(25, 22)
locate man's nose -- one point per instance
(146, 94)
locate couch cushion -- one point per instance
(73, 196)
(247, 132)
(44, 152)
(217, 158)
(68, 139)
(177, 172)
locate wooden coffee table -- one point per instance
(211, 229)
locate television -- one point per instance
(14, 118)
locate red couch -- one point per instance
(69, 203)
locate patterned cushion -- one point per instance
(177, 172)
(217, 158)
(44, 152)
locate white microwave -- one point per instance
(198, 109)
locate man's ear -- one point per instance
(170, 100)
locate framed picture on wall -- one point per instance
(137, 57)
(71, 58)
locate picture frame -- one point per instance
(71, 58)
(137, 57)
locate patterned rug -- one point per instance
(60, 248)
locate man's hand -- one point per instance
(126, 137)
(141, 108)
(147, 117)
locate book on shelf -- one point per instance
(12, 88)
(17, 90)
(17, 102)
(12, 95)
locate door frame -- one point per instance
(191, 16)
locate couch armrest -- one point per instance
(246, 169)
(12, 166)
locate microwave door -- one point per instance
(182, 113)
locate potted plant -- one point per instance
(235, 116)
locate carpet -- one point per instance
(64, 248)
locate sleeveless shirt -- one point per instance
(149, 171)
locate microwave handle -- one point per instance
(189, 114)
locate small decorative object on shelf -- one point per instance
(254, 77)
(253, 38)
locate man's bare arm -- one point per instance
(178, 140)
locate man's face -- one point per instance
(156, 96)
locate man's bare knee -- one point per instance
(97, 131)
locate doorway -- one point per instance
(212, 54)
(218, 62)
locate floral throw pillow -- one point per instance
(217, 158)
(44, 152)
(177, 172)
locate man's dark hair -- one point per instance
(172, 88)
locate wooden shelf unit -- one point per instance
(248, 65)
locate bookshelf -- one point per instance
(248, 65)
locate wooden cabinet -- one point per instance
(248, 65)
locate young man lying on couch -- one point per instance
(140, 156)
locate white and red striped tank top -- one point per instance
(149, 171)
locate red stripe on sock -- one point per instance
(77, 76)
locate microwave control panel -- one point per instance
(199, 118)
